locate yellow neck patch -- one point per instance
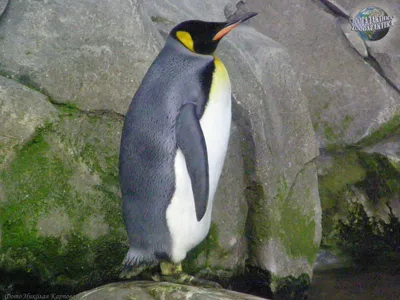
(220, 70)
(185, 39)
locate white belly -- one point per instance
(185, 230)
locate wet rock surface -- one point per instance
(165, 290)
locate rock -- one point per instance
(293, 253)
(360, 194)
(162, 290)
(389, 147)
(3, 6)
(61, 201)
(384, 51)
(348, 99)
(336, 8)
(93, 56)
(278, 144)
(166, 10)
(22, 111)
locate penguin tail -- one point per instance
(135, 263)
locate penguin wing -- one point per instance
(190, 140)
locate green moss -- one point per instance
(74, 265)
(97, 150)
(164, 291)
(111, 208)
(367, 240)
(389, 128)
(32, 181)
(382, 180)
(37, 187)
(347, 121)
(159, 19)
(284, 223)
(371, 173)
(258, 231)
(346, 169)
(290, 287)
(204, 250)
(67, 109)
(330, 134)
(297, 233)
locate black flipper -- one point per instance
(190, 140)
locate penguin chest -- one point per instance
(216, 124)
(186, 232)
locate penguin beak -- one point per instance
(232, 24)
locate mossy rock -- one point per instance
(144, 290)
(60, 217)
(356, 196)
(284, 230)
(367, 240)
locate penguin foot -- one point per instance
(184, 278)
(168, 268)
(173, 273)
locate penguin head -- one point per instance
(203, 37)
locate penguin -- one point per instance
(173, 146)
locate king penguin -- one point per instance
(173, 146)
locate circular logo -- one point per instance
(371, 23)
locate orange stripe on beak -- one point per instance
(224, 31)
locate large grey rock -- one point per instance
(164, 11)
(348, 99)
(298, 225)
(22, 111)
(92, 54)
(164, 290)
(278, 143)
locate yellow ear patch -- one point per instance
(186, 39)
